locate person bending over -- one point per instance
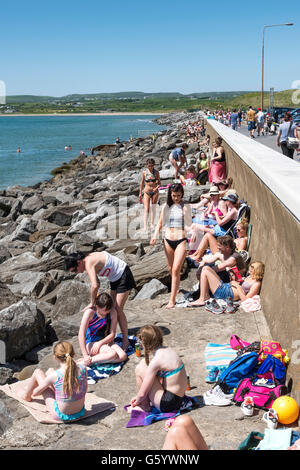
(178, 159)
(117, 272)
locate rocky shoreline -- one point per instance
(90, 204)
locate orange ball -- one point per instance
(287, 409)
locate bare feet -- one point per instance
(170, 305)
(125, 345)
(138, 408)
(23, 395)
(197, 303)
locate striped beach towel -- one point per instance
(103, 371)
(218, 355)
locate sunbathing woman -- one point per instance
(162, 381)
(97, 332)
(210, 281)
(177, 218)
(63, 389)
(242, 235)
(210, 242)
(151, 181)
(223, 222)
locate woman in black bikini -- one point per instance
(177, 218)
(161, 376)
(151, 181)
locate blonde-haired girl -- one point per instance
(63, 389)
(252, 284)
(242, 235)
(162, 379)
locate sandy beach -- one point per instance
(86, 114)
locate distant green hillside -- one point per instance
(135, 101)
(120, 95)
(281, 99)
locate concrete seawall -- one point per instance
(270, 183)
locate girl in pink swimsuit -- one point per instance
(63, 389)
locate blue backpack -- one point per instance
(241, 367)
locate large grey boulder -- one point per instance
(22, 262)
(88, 223)
(149, 267)
(6, 419)
(71, 297)
(6, 296)
(26, 227)
(30, 283)
(22, 326)
(151, 290)
(33, 204)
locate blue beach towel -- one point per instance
(218, 355)
(143, 418)
(103, 371)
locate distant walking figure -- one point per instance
(287, 129)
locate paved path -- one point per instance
(268, 140)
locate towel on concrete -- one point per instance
(103, 371)
(144, 418)
(218, 355)
(275, 439)
(37, 408)
(251, 305)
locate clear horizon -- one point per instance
(68, 48)
(139, 91)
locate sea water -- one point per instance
(42, 141)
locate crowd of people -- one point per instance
(261, 123)
(218, 232)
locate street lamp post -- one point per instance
(262, 60)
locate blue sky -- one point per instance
(61, 47)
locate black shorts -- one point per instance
(124, 283)
(170, 402)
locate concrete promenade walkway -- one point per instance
(268, 140)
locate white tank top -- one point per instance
(113, 268)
